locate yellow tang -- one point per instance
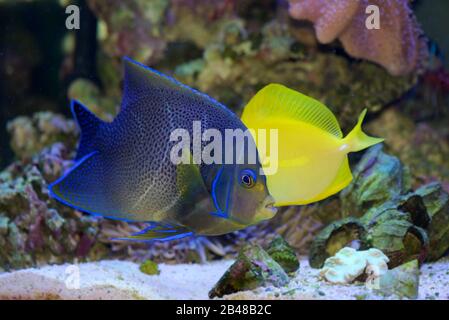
(312, 152)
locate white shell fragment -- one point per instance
(348, 264)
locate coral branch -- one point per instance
(398, 45)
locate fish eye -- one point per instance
(247, 178)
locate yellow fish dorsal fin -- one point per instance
(278, 101)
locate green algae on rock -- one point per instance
(149, 267)
(402, 281)
(404, 229)
(436, 201)
(283, 254)
(391, 229)
(421, 216)
(378, 177)
(391, 218)
(334, 237)
(253, 268)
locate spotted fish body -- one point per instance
(123, 168)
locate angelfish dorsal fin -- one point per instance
(276, 101)
(142, 83)
(88, 124)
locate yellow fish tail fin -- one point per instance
(358, 140)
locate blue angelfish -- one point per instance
(123, 168)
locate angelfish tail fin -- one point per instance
(89, 125)
(86, 187)
(358, 140)
(82, 186)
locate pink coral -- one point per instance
(398, 45)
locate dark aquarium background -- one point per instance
(229, 49)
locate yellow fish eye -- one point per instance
(247, 178)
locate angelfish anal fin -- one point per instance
(159, 231)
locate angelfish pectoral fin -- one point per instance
(159, 232)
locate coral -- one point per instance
(348, 264)
(423, 147)
(131, 28)
(145, 30)
(402, 281)
(29, 135)
(89, 94)
(149, 267)
(253, 268)
(283, 254)
(199, 20)
(215, 47)
(397, 45)
(232, 71)
(36, 229)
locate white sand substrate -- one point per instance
(115, 279)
